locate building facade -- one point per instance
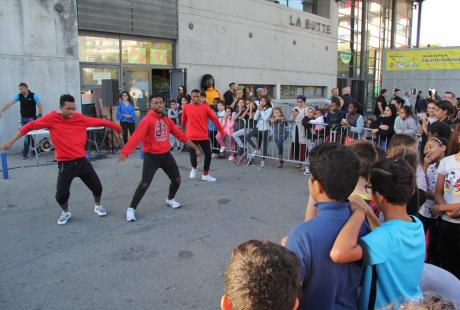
(290, 47)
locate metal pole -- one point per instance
(419, 22)
(393, 23)
(4, 166)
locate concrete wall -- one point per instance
(441, 80)
(39, 47)
(219, 44)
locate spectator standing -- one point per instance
(380, 103)
(126, 115)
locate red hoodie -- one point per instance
(68, 135)
(195, 119)
(153, 131)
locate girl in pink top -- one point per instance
(228, 123)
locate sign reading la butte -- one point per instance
(309, 24)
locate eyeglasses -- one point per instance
(368, 188)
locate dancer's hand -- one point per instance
(121, 158)
(6, 146)
(198, 154)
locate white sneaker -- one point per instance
(254, 154)
(65, 216)
(213, 155)
(173, 203)
(222, 149)
(130, 217)
(100, 210)
(307, 171)
(208, 178)
(193, 174)
(230, 158)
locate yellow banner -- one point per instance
(433, 59)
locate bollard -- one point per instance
(4, 166)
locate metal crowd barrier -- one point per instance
(285, 147)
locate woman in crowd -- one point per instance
(443, 110)
(384, 125)
(126, 115)
(405, 122)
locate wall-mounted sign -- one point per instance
(433, 59)
(310, 25)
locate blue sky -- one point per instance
(440, 23)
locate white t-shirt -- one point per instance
(431, 178)
(449, 167)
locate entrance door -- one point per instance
(137, 82)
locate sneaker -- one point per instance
(100, 210)
(208, 178)
(65, 216)
(213, 155)
(254, 154)
(222, 149)
(130, 217)
(307, 171)
(230, 158)
(193, 174)
(173, 203)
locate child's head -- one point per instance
(335, 104)
(403, 146)
(220, 105)
(241, 104)
(278, 113)
(228, 111)
(173, 104)
(439, 129)
(319, 112)
(334, 172)
(183, 101)
(261, 275)
(392, 182)
(405, 112)
(435, 148)
(367, 155)
(202, 97)
(311, 112)
(266, 101)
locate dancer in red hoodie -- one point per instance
(195, 120)
(68, 133)
(153, 131)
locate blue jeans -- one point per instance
(27, 139)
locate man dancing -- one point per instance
(195, 120)
(68, 133)
(153, 131)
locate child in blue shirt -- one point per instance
(325, 285)
(394, 252)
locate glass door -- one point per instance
(137, 82)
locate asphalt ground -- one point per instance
(168, 259)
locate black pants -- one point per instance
(151, 164)
(127, 127)
(206, 146)
(449, 247)
(79, 168)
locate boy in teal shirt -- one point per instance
(394, 252)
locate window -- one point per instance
(147, 53)
(94, 75)
(292, 91)
(99, 49)
(309, 6)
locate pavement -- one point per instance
(168, 259)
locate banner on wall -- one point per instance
(433, 59)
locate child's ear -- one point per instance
(225, 303)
